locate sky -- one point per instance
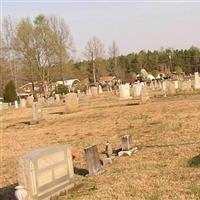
(135, 25)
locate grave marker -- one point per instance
(94, 91)
(127, 146)
(22, 103)
(71, 102)
(37, 112)
(196, 80)
(124, 91)
(46, 172)
(93, 161)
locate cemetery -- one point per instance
(99, 100)
(133, 143)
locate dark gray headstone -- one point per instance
(127, 142)
(93, 161)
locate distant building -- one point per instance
(71, 84)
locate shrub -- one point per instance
(10, 94)
(61, 89)
(178, 69)
(154, 73)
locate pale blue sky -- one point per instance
(134, 26)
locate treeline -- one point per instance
(42, 50)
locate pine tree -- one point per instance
(10, 94)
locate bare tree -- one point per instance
(113, 52)
(7, 37)
(94, 51)
(63, 43)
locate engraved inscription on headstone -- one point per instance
(46, 172)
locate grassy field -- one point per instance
(165, 130)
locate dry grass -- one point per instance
(166, 132)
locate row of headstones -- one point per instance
(47, 172)
(168, 87)
(137, 90)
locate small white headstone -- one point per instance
(16, 105)
(137, 90)
(100, 89)
(22, 103)
(196, 80)
(124, 91)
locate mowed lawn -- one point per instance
(166, 132)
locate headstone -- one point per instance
(108, 150)
(164, 86)
(176, 85)
(100, 89)
(186, 86)
(29, 101)
(94, 91)
(57, 98)
(46, 172)
(127, 146)
(127, 143)
(16, 105)
(124, 91)
(196, 80)
(37, 112)
(5, 106)
(50, 101)
(171, 88)
(1, 106)
(93, 161)
(71, 102)
(22, 103)
(88, 92)
(137, 90)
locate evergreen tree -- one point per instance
(10, 94)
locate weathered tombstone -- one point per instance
(100, 89)
(176, 85)
(171, 88)
(71, 102)
(5, 106)
(94, 91)
(57, 98)
(16, 105)
(93, 161)
(1, 106)
(196, 80)
(50, 101)
(108, 150)
(88, 92)
(22, 103)
(127, 146)
(46, 172)
(37, 112)
(124, 91)
(186, 86)
(29, 101)
(137, 90)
